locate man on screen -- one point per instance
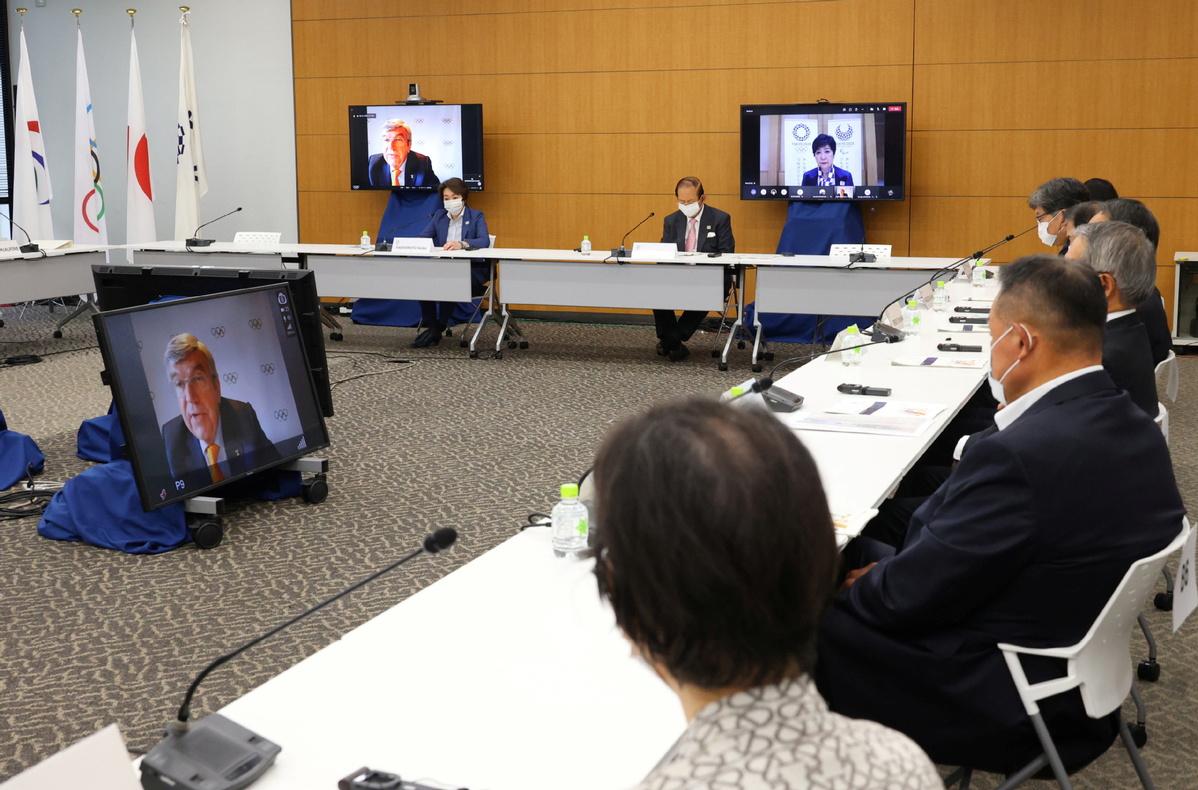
(213, 438)
(826, 174)
(398, 165)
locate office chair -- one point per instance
(1098, 666)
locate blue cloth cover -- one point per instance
(100, 506)
(811, 228)
(404, 208)
(19, 456)
(92, 442)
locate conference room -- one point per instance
(592, 112)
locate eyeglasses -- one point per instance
(201, 381)
(1041, 217)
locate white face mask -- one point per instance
(453, 207)
(996, 387)
(691, 210)
(1042, 230)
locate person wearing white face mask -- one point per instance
(454, 226)
(694, 227)
(1074, 486)
(1049, 203)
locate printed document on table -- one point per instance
(969, 363)
(862, 415)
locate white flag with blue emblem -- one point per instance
(191, 176)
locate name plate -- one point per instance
(412, 244)
(652, 251)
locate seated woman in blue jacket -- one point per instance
(454, 227)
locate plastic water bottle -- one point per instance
(585, 247)
(569, 519)
(364, 242)
(911, 319)
(977, 277)
(940, 297)
(851, 349)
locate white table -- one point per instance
(30, 277)
(507, 674)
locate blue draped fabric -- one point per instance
(19, 456)
(92, 442)
(403, 208)
(811, 228)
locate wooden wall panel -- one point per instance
(356, 9)
(607, 40)
(978, 31)
(1088, 95)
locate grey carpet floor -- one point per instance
(92, 636)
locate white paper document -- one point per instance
(864, 415)
(968, 363)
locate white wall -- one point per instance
(244, 77)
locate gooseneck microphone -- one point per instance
(216, 753)
(198, 242)
(381, 245)
(29, 246)
(621, 252)
(891, 334)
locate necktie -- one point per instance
(394, 177)
(213, 468)
(692, 233)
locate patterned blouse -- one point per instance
(784, 736)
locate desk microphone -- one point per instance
(765, 384)
(197, 242)
(216, 753)
(621, 252)
(30, 246)
(381, 245)
(892, 335)
(862, 256)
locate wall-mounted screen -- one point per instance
(210, 390)
(823, 151)
(414, 147)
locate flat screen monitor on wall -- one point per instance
(854, 151)
(210, 389)
(121, 285)
(414, 147)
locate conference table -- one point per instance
(509, 673)
(818, 284)
(49, 274)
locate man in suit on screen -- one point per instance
(398, 165)
(694, 227)
(213, 438)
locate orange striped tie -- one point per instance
(213, 467)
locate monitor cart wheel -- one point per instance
(316, 490)
(207, 533)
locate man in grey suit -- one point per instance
(694, 227)
(398, 165)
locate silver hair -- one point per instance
(396, 123)
(1058, 195)
(181, 346)
(1124, 252)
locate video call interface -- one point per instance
(415, 147)
(210, 389)
(823, 152)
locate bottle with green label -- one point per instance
(569, 519)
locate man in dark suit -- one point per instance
(398, 165)
(1024, 543)
(826, 174)
(1152, 310)
(694, 227)
(213, 438)
(1126, 265)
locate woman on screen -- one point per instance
(454, 226)
(716, 551)
(826, 174)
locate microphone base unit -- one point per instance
(382, 246)
(863, 257)
(28, 248)
(621, 252)
(884, 333)
(213, 753)
(200, 242)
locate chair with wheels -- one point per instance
(1167, 369)
(1098, 666)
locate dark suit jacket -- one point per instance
(1023, 543)
(711, 221)
(1156, 324)
(1127, 356)
(418, 171)
(474, 228)
(246, 445)
(843, 177)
